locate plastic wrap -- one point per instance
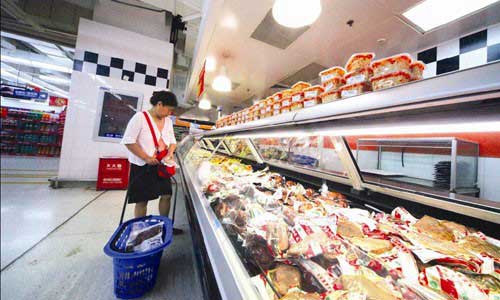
(333, 84)
(313, 91)
(330, 96)
(358, 61)
(393, 64)
(297, 97)
(330, 73)
(308, 102)
(417, 70)
(354, 89)
(299, 86)
(390, 80)
(360, 75)
(297, 105)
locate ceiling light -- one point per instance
(205, 104)
(210, 64)
(222, 83)
(296, 13)
(430, 14)
(35, 64)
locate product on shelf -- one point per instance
(286, 101)
(390, 80)
(277, 96)
(330, 96)
(311, 101)
(315, 245)
(297, 105)
(417, 70)
(285, 109)
(360, 75)
(297, 96)
(300, 86)
(354, 89)
(393, 64)
(334, 72)
(313, 91)
(359, 61)
(333, 84)
(276, 107)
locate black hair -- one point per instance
(165, 97)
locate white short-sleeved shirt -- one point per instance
(138, 132)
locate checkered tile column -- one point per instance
(466, 52)
(119, 68)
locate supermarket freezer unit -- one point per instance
(464, 101)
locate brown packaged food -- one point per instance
(375, 246)
(297, 105)
(284, 278)
(313, 91)
(358, 61)
(277, 236)
(477, 245)
(285, 109)
(390, 80)
(333, 84)
(374, 290)
(433, 228)
(354, 89)
(330, 96)
(308, 102)
(299, 86)
(300, 295)
(346, 228)
(417, 70)
(330, 73)
(361, 75)
(393, 64)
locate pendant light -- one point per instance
(296, 13)
(222, 83)
(205, 103)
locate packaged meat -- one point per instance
(417, 70)
(285, 109)
(375, 246)
(256, 248)
(330, 96)
(346, 228)
(334, 72)
(361, 75)
(300, 86)
(285, 277)
(321, 275)
(297, 96)
(358, 61)
(354, 89)
(276, 112)
(390, 80)
(452, 283)
(297, 105)
(277, 96)
(277, 236)
(434, 228)
(312, 101)
(313, 91)
(286, 101)
(287, 93)
(300, 295)
(277, 105)
(333, 84)
(393, 64)
(477, 245)
(370, 287)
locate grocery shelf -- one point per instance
(475, 84)
(28, 120)
(31, 143)
(30, 155)
(16, 130)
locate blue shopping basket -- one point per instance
(135, 273)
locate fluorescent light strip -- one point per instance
(47, 86)
(430, 14)
(35, 64)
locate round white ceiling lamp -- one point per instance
(222, 83)
(296, 13)
(205, 103)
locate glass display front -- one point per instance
(299, 241)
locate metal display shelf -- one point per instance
(475, 84)
(464, 96)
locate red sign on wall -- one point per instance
(58, 101)
(201, 81)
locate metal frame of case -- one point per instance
(450, 100)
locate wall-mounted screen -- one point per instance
(115, 108)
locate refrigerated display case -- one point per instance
(249, 186)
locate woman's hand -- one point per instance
(152, 161)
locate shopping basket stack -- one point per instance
(135, 273)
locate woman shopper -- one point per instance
(145, 183)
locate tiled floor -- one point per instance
(69, 263)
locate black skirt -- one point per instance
(145, 184)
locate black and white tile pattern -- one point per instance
(469, 51)
(119, 68)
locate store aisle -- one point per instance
(30, 210)
(70, 263)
